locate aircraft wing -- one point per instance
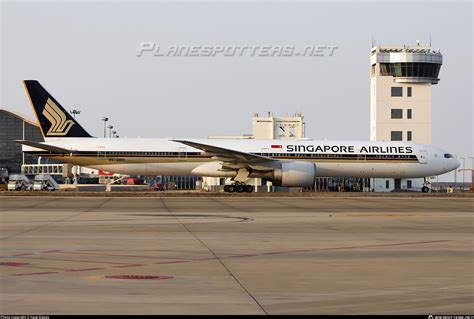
(47, 147)
(228, 155)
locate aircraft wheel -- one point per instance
(248, 188)
(230, 188)
(239, 188)
(425, 189)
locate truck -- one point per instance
(45, 182)
(17, 182)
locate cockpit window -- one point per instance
(448, 155)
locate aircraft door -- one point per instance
(101, 152)
(182, 154)
(423, 158)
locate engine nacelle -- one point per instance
(295, 174)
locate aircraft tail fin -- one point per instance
(54, 120)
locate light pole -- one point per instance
(110, 127)
(105, 119)
(463, 169)
(113, 133)
(455, 177)
(74, 112)
(472, 173)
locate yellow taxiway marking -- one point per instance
(93, 278)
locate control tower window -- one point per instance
(409, 135)
(410, 69)
(396, 136)
(397, 91)
(397, 113)
(409, 114)
(409, 91)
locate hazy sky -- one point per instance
(84, 53)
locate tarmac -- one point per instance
(236, 255)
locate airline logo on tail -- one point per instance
(59, 125)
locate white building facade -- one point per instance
(276, 128)
(401, 80)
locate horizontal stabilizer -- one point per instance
(47, 147)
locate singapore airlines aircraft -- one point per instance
(292, 163)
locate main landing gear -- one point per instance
(238, 187)
(425, 188)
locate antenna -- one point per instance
(430, 40)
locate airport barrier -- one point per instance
(127, 188)
(67, 187)
(90, 188)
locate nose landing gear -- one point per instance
(238, 187)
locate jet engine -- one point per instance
(295, 174)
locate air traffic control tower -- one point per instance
(401, 78)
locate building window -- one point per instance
(397, 91)
(409, 136)
(409, 91)
(409, 115)
(410, 69)
(409, 184)
(397, 113)
(387, 184)
(396, 136)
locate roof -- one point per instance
(21, 117)
(404, 49)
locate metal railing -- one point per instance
(49, 169)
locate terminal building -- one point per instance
(401, 80)
(16, 127)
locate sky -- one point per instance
(85, 54)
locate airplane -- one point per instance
(291, 163)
